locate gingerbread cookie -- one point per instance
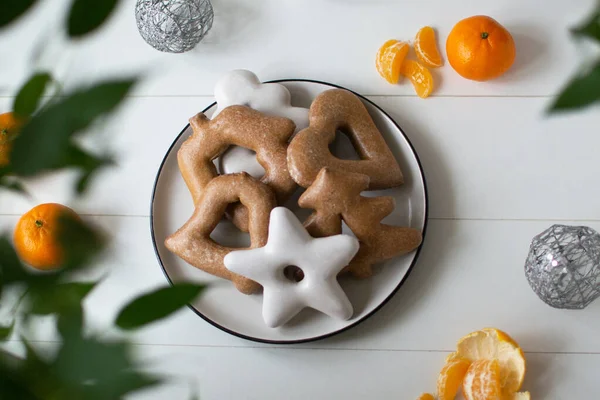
(335, 110)
(192, 241)
(335, 196)
(241, 87)
(320, 261)
(240, 126)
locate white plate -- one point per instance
(238, 314)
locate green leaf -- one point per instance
(11, 269)
(88, 15)
(582, 91)
(125, 383)
(6, 331)
(73, 360)
(10, 10)
(14, 383)
(156, 305)
(62, 297)
(31, 355)
(70, 323)
(591, 28)
(194, 392)
(40, 378)
(88, 163)
(81, 241)
(28, 98)
(103, 370)
(13, 185)
(46, 142)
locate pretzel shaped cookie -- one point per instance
(239, 126)
(335, 196)
(333, 110)
(242, 87)
(192, 241)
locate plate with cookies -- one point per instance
(300, 204)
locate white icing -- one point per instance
(321, 259)
(241, 87)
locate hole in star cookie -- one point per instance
(238, 159)
(293, 273)
(342, 147)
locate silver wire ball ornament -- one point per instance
(563, 266)
(173, 26)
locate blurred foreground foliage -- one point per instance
(583, 90)
(82, 364)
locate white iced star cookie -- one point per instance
(241, 87)
(320, 260)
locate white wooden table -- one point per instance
(498, 170)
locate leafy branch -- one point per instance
(49, 141)
(35, 151)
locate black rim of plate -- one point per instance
(355, 323)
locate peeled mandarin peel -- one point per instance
(491, 343)
(494, 365)
(426, 48)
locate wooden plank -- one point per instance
(299, 374)
(277, 373)
(469, 276)
(484, 158)
(332, 41)
(503, 158)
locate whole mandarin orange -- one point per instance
(10, 125)
(36, 236)
(480, 49)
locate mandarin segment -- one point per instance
(420, 77)
(390, 58)
(482, 381)
(426, 396)
(426, 48)
(451, 378)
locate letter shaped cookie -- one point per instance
(241, 126)
(192, 241)
(334, 196)
(333, 110)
